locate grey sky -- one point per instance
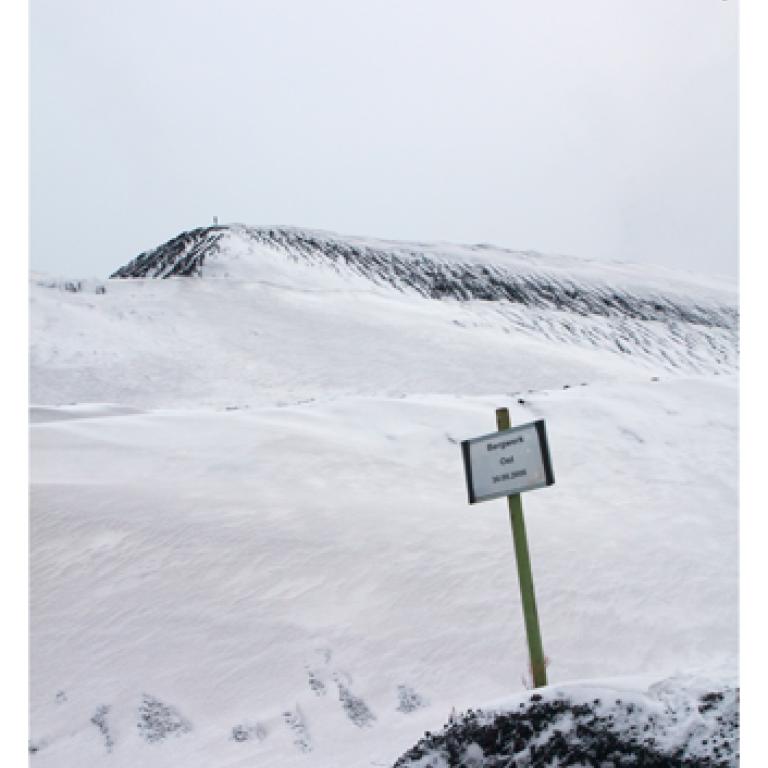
(600, 128)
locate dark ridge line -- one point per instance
(408, 269)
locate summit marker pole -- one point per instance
(524, 575)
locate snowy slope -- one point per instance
(250, 542)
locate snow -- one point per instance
(249, 518)
(681, 720)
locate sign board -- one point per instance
(507, 462)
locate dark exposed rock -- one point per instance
(559, 731)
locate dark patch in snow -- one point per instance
(315, 677)
(315, 683)
(183, 255)
(99, 719)
(248, 731)
(35, 745)
(710, 701)
(73, 286)
(295, 722)
(631, 434)
(354, 707)
(157, 720)
(61, 697)
(560, 731)
(408, 700)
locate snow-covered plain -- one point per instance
(249, 518)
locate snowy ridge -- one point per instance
(457, 272)
(660, 317)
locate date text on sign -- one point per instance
(507, 462)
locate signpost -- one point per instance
(508, 463)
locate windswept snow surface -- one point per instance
(250, 541)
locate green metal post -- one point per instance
(525, 576)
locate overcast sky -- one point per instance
(600, 128)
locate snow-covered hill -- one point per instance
(250, 542)
(444, 271)
(282, 315)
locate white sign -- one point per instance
(507, 462)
